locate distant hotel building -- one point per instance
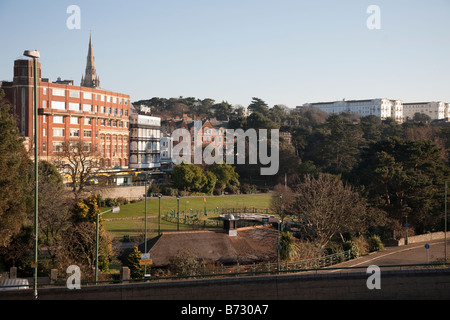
(382, 108)
(435, 110)
(96, 117)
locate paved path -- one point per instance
(414, 253)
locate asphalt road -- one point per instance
(413, 253)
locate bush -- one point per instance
(110, 202)
(375, 243)
(353, 246)
(122, 201)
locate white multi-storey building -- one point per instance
(435, 110)
(383, 108)
(145, 135)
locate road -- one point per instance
(414, 253)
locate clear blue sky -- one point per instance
(282, 51)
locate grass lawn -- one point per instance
(132, 222)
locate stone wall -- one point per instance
(422, 238)
(413, 284)
(130, 193)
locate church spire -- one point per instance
(90, 78)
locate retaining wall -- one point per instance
(411, 284)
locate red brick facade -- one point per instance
(99, 118)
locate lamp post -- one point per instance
(278, 235)
(445, 223)
(159, 214)
(35, 55)
(114, 210)
(178, 213)
(145, 222)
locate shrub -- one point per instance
(375, 243)
(354, 248)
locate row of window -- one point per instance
(86, 95)
(89, 121)
(74, 106)
(58, 146)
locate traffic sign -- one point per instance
(145, 262)
(427, 246)
(145, 255)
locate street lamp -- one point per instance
(178, 213)
(159, 214)
(278, 235)
(145, 222)
(114, 210)
(445, 227)
(35, 55)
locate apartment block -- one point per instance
(68, 114)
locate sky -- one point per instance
(286, 52)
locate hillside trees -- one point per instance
(403, 176)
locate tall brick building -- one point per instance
(67, 113)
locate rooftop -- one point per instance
(251, 244)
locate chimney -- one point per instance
(230, 225)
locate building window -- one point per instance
(60, 105)
(74, 132)
(87, 95)
(44, 104)
(74, 106)
(87, 133)
(87, 121)
(58, 119)
(59, 92)
(87, 107)
(58, 132)
(57, 146)
(74, 94)
(44, 147)
(87, 147)
(74, 120)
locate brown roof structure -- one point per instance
(251, 244)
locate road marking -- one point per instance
(387, 254)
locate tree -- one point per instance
(258, 105)
(185, 263)
(222, 111)
(282, 200)
(335, 145)
(81, 162)
(15, 183)
(226, 177)
(404, 175)
(188, 177)
(133, 262)
(55, 204)
(325, 207)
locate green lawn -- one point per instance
(190, 205)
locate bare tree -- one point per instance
(81, 162)
(325, 207)
(282, 200)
